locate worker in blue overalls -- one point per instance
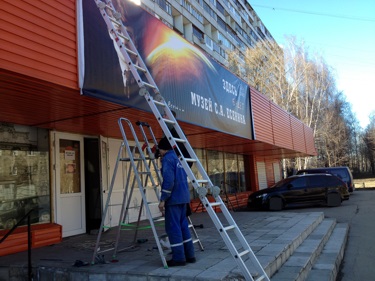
(173, 201)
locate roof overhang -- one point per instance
(32, 102)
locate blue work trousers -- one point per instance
(177, 228)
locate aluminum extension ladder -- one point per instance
(228, 229)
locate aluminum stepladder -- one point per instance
(228, 229)
(152, 161)
(142, 173)
(140, 166)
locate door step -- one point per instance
(328, 264)
(318, 257)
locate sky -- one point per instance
(341, 31)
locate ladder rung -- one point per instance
(159, 103)
(158, 219)
(202, 181)
(140, 68)
(128, 159)
(215, 204)
(169, 121)
(114, 21)
(104, 5)
(131, 52)
(114, 205)
(150, 158)
(260, 278)
(149, 85)
(144, 173)
(123, 37)
(106, 250)
(243, 253)
(179, 140)
(195, 241)
(152, 203)
(191, 160)
(229, 227)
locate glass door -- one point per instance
(70, 193)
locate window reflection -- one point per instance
(24, 175)
(24, 185)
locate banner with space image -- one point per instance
(197, 88)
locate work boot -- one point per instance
(191, 260)
(171, 263)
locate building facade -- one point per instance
(58, 147)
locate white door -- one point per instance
(69, 184)
(124, 176)
(262, 176)
(104, 178)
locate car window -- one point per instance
(299, 182)
(341, 174)
(317, 181)
(333, 181)
(282, 182)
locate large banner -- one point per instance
(197, 88)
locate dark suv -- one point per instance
(309, 189)
(342, 173)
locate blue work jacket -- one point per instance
(174, 189)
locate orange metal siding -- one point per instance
(261, 117)
(298, 134)
(275, 126)
(39, 40)
(282, 132)
(309, 139)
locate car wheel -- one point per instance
(276, 204)
(333, 200)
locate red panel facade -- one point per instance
(39, 40)
(260, 106)
(281, 127)
(298, 135)
(309, 139)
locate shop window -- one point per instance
(234, 177)
(202, 158)
(227, 171)
(215, 167)
(24, 175)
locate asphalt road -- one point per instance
(359, 212)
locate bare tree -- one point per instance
(303, 85)
(369, 140)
